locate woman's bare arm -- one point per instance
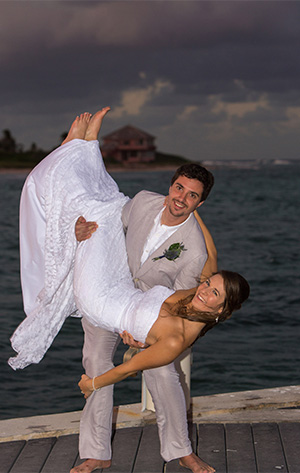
(160, 353)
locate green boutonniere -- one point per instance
(172, 253)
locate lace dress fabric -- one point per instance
(91, 278)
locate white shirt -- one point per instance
(158, 235)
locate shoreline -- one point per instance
(109, 169)
(211, 165)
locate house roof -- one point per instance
(126, 133)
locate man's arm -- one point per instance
(211, 265)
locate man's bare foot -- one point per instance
(90, 465)
(95, 124)
(78, 127)
(195, 464)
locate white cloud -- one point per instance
(293, 115)
(238, 109)
(188, 110)
(133, 100)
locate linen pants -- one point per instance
(163, 384)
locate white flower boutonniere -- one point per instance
(172, 253)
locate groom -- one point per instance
(152, 223)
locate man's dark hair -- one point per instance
(195, 171)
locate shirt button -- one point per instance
(135, 279)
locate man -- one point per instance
(165, 246)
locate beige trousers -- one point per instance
(164, 386)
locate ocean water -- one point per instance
(253, 215)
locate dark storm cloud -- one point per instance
(239, 38)
(163, 65)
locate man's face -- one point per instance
(184, 197)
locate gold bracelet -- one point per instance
(93, 384)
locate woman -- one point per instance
(183, 317)
(94, 277)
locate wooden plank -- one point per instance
(148, 458)
(239, 448)
(125, 446)
(173, 466)
(211, 445)
(268, 448)
(33, 456)
(9, 451)
(290, 436)
(63, 455)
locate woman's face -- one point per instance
(210, 294)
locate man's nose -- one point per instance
(184, 197)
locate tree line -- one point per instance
(13, 154)
(8, 144)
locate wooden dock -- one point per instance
(244, 432)
(230, 448)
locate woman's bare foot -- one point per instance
(194, 463)
(90, 465)
(95, 124)
(78, 127)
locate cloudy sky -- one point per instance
(210, 79)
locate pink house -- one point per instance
(129, 145)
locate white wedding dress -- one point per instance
(61, 277)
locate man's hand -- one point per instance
(129, 340)
(85, 386)
(84, 229)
